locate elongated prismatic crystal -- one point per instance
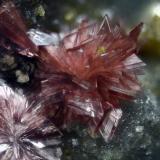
(84, 76)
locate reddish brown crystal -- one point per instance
(13, 28)
(99, 67)
(86, 75)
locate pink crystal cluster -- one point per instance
(94, 67)
(20, 124)
(83, 78)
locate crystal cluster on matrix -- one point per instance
(82, 78)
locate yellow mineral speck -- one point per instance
(39, 11)
(70, 15)
(101, 50)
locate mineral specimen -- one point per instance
(85, 75)
(23, 128)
